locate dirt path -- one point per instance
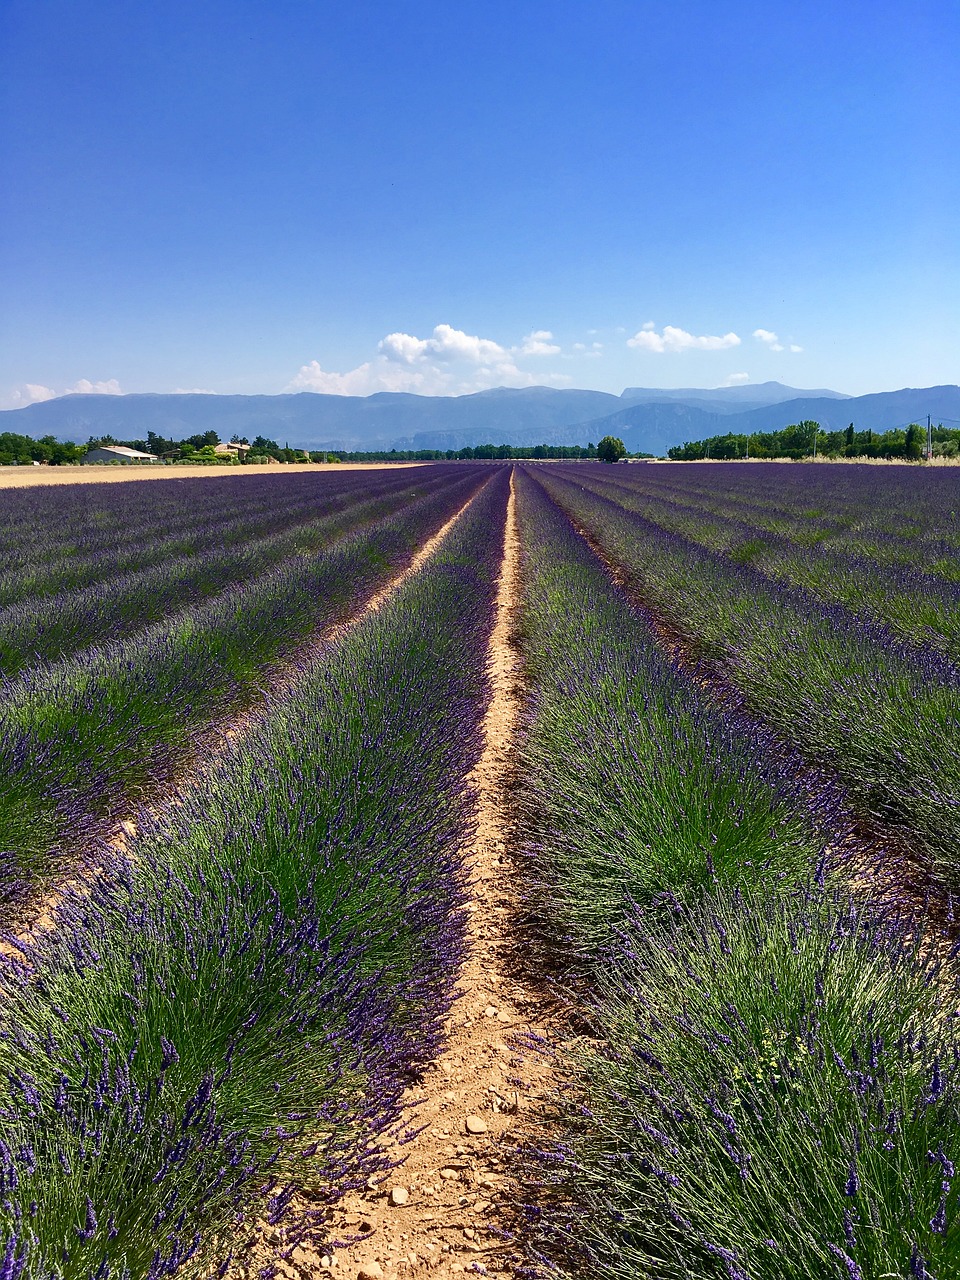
(25, 477)
(443, 1212)
(214, 739)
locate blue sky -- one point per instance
(254, 197)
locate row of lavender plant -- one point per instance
(56, 538)
(769, 1084)
(37, 631)
(922, 607)
(622, 743)
(895, 515)
(880, 715)
(229, 1016)
(78, 741)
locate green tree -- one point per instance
(912, 446)
(204, 440)
(610, 449)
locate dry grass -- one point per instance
(22, 477)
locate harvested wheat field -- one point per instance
(21, 477)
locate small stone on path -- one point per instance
(399, 1195)
(476, 1125)
(370, 1271)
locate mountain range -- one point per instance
(648, 420)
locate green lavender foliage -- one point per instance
(880, 577)
(768, 1086)
(233, 1011)
(635, 787)
(80, 741)
(777, 1095)
(884, 719)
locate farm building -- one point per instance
(233, 447)
(116, 453)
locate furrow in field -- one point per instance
(874, 859)
(850, 697)
(121, 724)
(212, 740)
(225, 1023)
(452, 1203)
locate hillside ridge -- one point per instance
(520, 416)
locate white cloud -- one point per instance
(34, 392)
(450, 362)
(374, 375)
(674, 339)
(402, 347)
(193, 391)
(87, 388)
(447, 343)
(771, 339)
(539, 343)
(31, 393)
(735, 379)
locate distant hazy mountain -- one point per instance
(646, 427)
(731, 399)
(308, 420)
(647, 421)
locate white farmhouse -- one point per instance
(116, 453)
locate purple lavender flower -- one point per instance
(853, 1271)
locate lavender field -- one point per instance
(241, 722)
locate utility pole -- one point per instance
(816, 432)
(929, 439)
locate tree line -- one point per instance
(201, 448)
(808, 439)
(491, 452)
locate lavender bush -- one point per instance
(42, 628)
(776, 1093)
(821, 556)
(80, 740)
(229, 1016)
(73, 535)
(767, 1083)
(636, 787)
(881, 716)
(893, 515)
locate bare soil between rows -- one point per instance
(451, 1206)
